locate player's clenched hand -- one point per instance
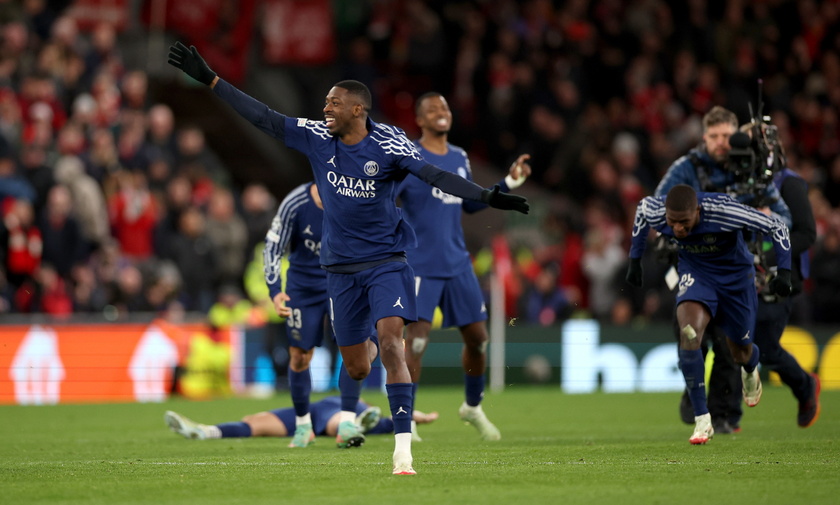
(188, 60)
(505, 201)
(280, 300)
(780, 284)
(634, 272)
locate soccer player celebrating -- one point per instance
(707, 168)
(717, 278)
(357, 165)
(325, 418)
(296, 229)
(442, 267)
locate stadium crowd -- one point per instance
(108, 206)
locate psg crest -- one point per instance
(371, 168)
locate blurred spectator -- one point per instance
(71, 140)
(12, 185)
(231, 308)
(131, 141)
(88, 202)
(177, 198)
(160, 136)
(106, 263)
(102, 159)
(34, 167)
(258, 209)
(11, 124)
(21, 247)
(88, 291)
(602, 259)
(135, 89)
(545, 302)
(193, 253)
(50, 293)
(38, 93)
(18, 60)
(133, 215)
(192, 151)
(163, 286)
(228, 234)
(103, 53)
(128, 296)
(65, 33)
(64, 243)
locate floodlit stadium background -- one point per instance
(109, 146)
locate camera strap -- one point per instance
(702, 175)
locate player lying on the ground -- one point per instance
(325, 415)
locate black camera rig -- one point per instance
(755, 156)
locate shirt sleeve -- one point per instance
(450, 183)
(680, 172)
(771, 226)
(779, 207)
(257, 113)
(641, 224)
(277, 241)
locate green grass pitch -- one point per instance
(555, 448)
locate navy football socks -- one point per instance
(694, 370)
(300, 384)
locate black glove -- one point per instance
(191, 63)
(780, 284)
(634, 272)
(505, 201)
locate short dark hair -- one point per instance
(680, 198)
(718, 115)
(428, 94)
(359, 89)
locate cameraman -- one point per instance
(773, 311)
(705, 168)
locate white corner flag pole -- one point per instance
(497, 333)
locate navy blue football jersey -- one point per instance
(357, 183)
(296, 231)
(435, 217)
(716, 244)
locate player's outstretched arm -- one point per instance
(518, 172)
(456, 185)
(191, 63)
(504, 201)
(257, 113)
(638, 242)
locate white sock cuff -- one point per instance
(402, 443)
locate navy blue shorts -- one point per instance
(460, 299)
(305, 327)
(358, 300)
(734, 301)
(320, 412)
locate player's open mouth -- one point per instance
(329, 120)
